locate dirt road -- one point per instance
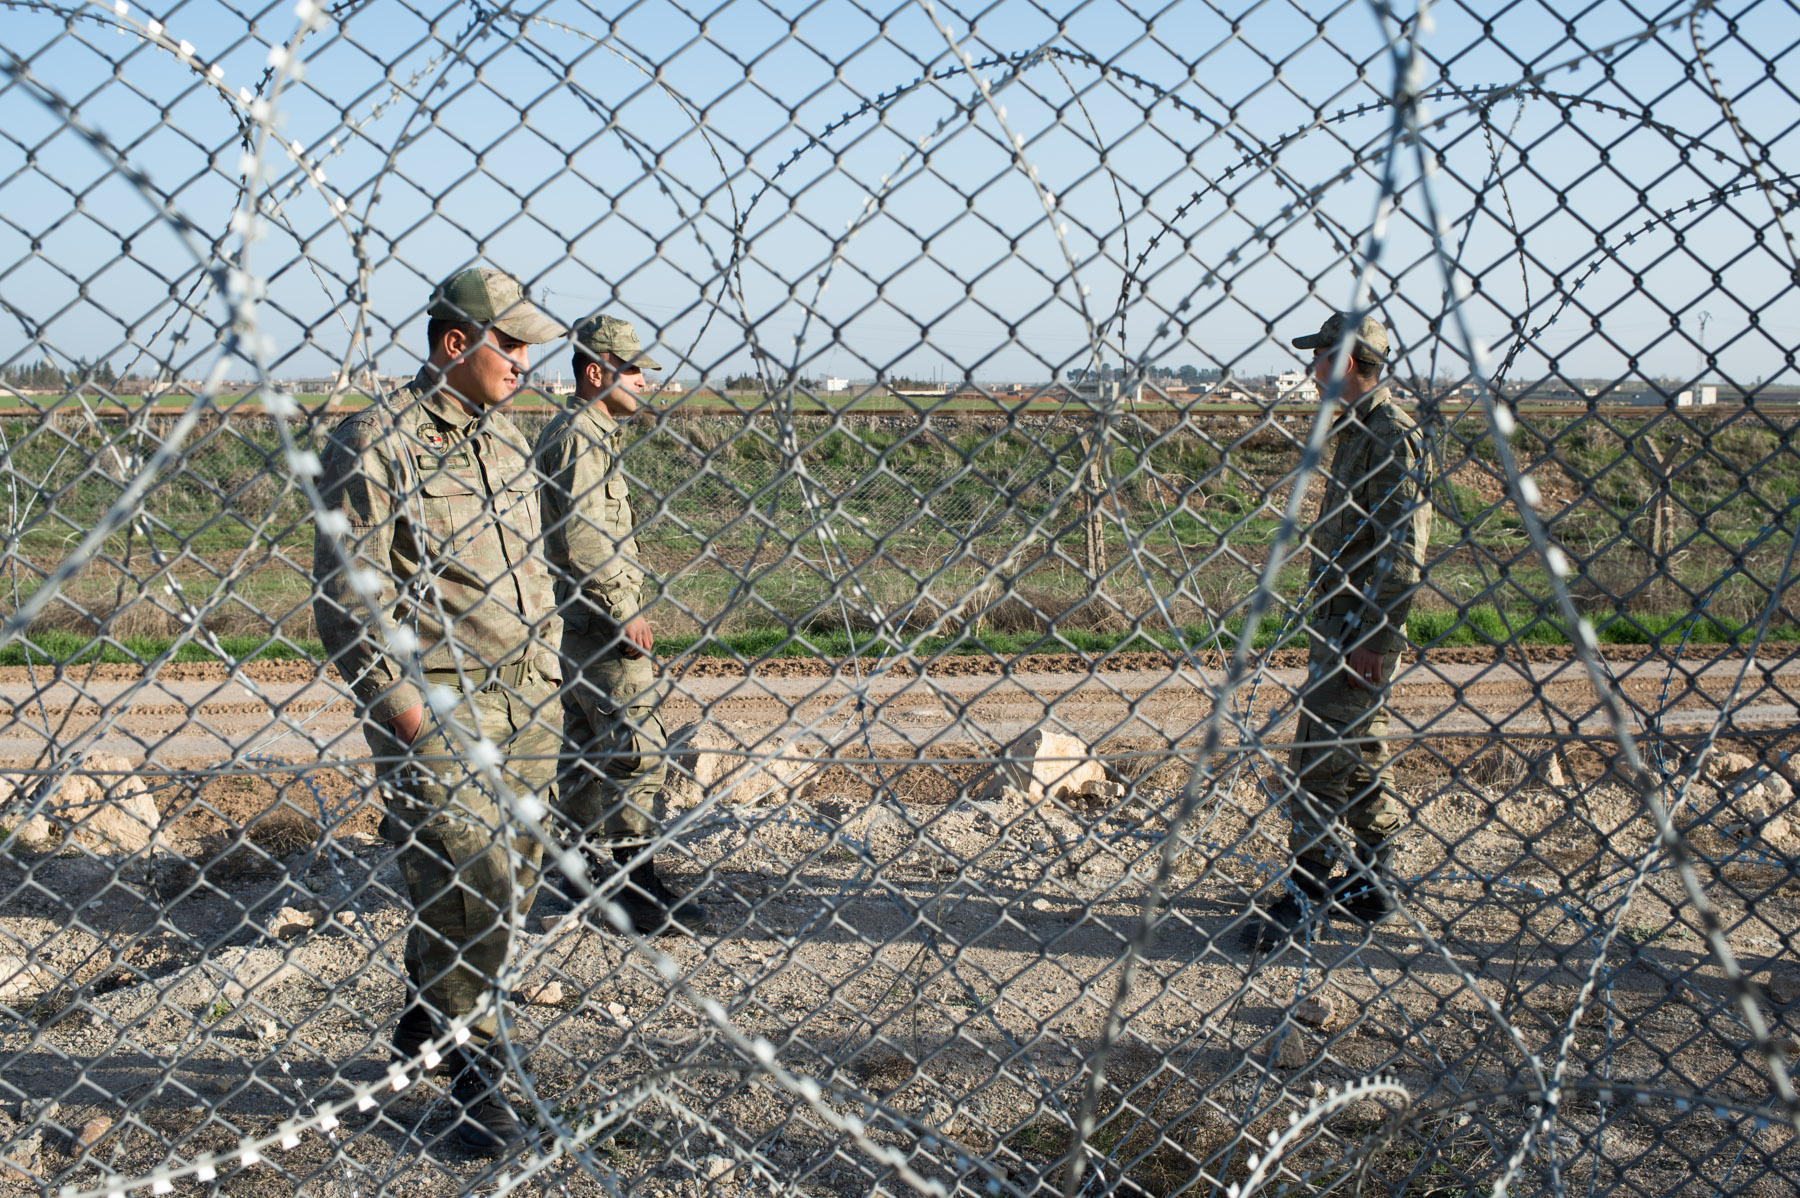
(286, 712)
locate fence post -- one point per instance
(1662, 520)
(1093, 495)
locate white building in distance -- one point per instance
(1297, 386)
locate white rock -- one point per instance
(103, 807)
(1726, 766)
(290, 922)
(18, 976)
(616, 1010)
(36, 835)
(548, 994)
(707, 762)
(716, 1167)
(1315, 1010)
(1047, 764)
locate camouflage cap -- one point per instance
(492, 297)
(1371, 344)
(610, 335)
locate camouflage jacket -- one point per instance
(442, 507)
(588, 522)
(1368, 545)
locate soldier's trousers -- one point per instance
(1339, 760)
(616, 746)
(453, 835)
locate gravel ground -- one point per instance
(942, 970)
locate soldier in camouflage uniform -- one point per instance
(1368, 548)
(617, 747)
(438, 489)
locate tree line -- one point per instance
(48, 376)
(1187, 373)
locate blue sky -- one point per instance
(610, 161)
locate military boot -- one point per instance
(1302, 901)
(1367, 892)
(485, 1122)
(412, 1034)
(653, 908)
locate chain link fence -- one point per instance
(983, 506)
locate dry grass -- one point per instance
(256, 848)
(283, 830)
(1506, 766)
(93, 606)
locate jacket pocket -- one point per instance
(453, 506)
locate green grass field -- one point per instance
(1431, 630)
(978, 526)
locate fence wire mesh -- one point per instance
(993, 810)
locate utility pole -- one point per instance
(1700, 366)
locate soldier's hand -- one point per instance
(639, 640)
(1365, 666)
(406, 725)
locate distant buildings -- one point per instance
(1094, 391)
(1296, 386)
(360, 382)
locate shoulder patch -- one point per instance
(361, 428)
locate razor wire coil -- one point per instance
(887, 608)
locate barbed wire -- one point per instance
(898, 1142)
